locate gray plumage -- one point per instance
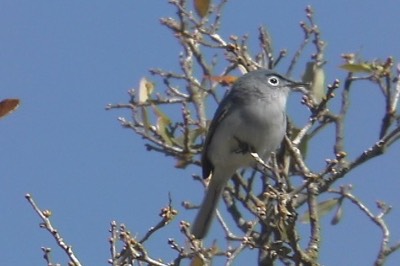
(251, 118)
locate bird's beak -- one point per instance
(300, 87)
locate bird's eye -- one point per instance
(273, 81)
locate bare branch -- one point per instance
(44, 216)
(385, 249)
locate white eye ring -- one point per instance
(273, 81)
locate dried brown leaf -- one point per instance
(7, 106)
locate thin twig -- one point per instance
(44, 215)
(113, 242)
(167, 214)
(385, 249)
(314, 243)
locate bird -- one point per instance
(251, 118)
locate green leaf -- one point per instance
(145, 119)
(192, 135)
(163, 121)
(303, 145)
(281, 226)
(202, 7)
(183, 161)
(197, 261)
(323, 208)
(160, 114)
(314, 74)
(338, 215)
(145, 89)
(358, 68)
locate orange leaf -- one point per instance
(223, 80)
(202, 7)
(7, 106)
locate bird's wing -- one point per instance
(222, 111)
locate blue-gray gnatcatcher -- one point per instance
(250, 119)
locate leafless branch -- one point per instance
(385, 248)
(46, 224)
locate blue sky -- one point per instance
(66, 60)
